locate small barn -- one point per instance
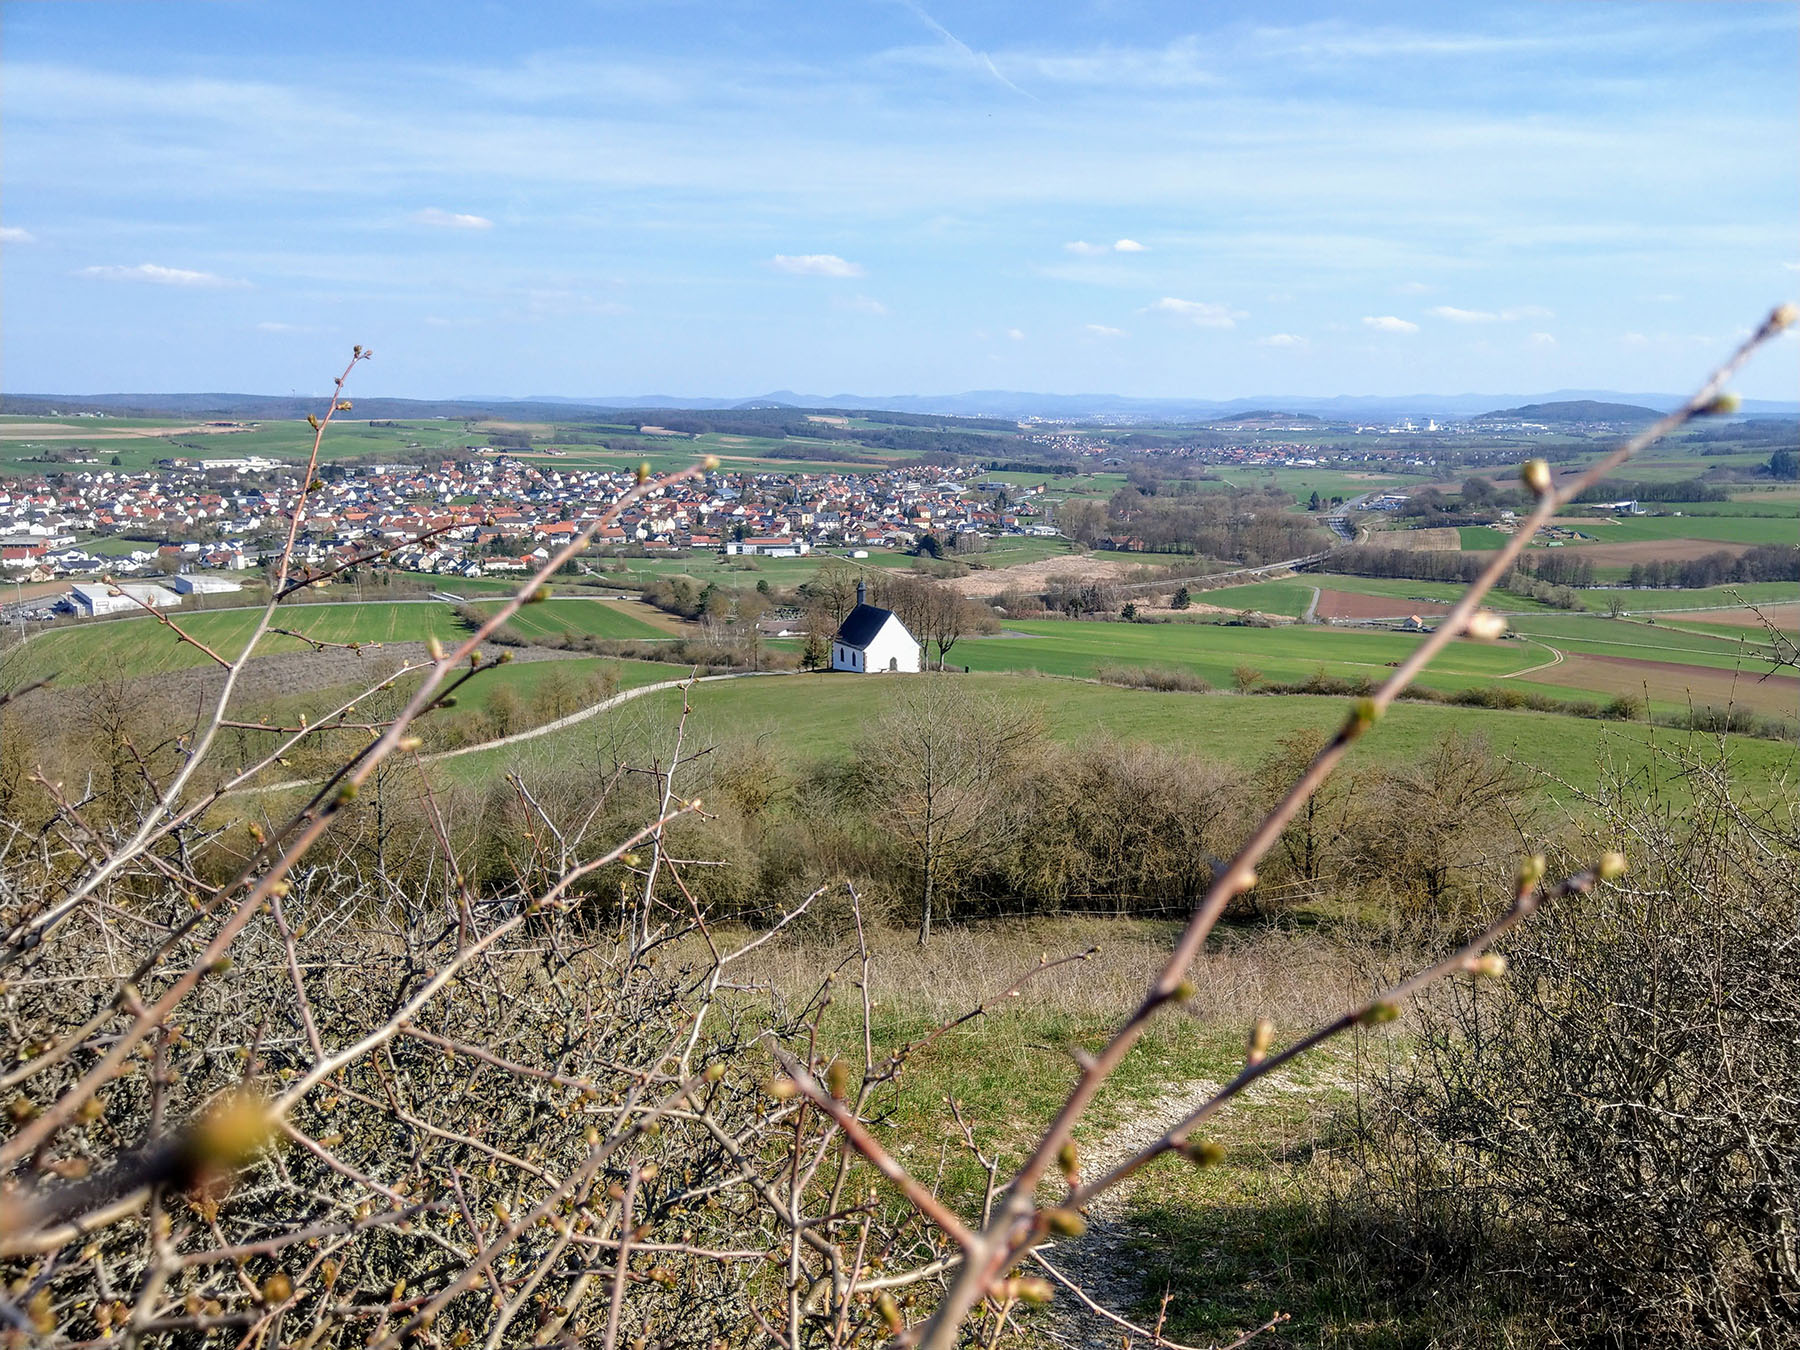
(872, 639)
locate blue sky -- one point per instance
(726, 198)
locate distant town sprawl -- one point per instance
(485, 517)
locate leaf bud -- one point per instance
(1377, 1013)
(1364, 713)
(1256, 1045)
(1489, 964)
(781, 1089)
(1486, 625)
(1535, 474)
(837, 1079)
(278, 1288)
(1531, 872)
(1204, 1152)
(1785, 316)
(232, 1132)
(1031, 1289)
(1066, 1222)
(1720, 405)
(1612, 866)
(1068, 1158)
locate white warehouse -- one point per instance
(100, 599)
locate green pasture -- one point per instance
(1724, 529)
(1289, 598)
(1214, 651)
(1482, 537)
(1775, 508)
(553, 618)
(126, 648)
(1715, 597)
(1635, 638)
(822, 717)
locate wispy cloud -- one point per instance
(815, 265)
(162, 276)
(274, 326)
(12, 234)
(1281, 340)
(862, 304)
(1016, 334)
(1455, 315)
(1388, 323)
(979, 59)
(1102, 330)
(1082, 248)
(1543, 339)
(1202, 313)
(451, 220)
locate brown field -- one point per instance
(1435, 540)
(1785, 616)
(650, 614)
(99, 431)
(1670, 682)
(1034, 576)
(1348, 605)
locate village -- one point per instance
(483, 517)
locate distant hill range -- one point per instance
(1574, 410)
(996, 403)
(1265, 415)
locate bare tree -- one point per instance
(938, 766)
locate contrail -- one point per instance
(979, 58)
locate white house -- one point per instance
(872, 640)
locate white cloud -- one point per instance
(161, 276)
(1101, 330)
(274, 327)
(1081, 248)
(1387, 323)
(1016, 334)
(815, 265)
(1455, 315)
(1414, 288)
(451, 220)
(863, 304)
(1543, 340)
(1281, 340)
(1790, 267)
(1203, 313)
(1635, 340)
(12, 234)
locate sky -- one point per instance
(726, 198)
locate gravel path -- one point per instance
(1100, 1261)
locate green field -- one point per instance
(1482, 537)
(1721, 528)
(1743, 648)
(815, 717)
(1716, 597)
(1291, 597)
(131, 647)
(1213, 651)
(595, 618)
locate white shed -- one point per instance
(872, 640)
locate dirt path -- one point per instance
(1100, 1261)
(518, 737)
(1556, 659)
